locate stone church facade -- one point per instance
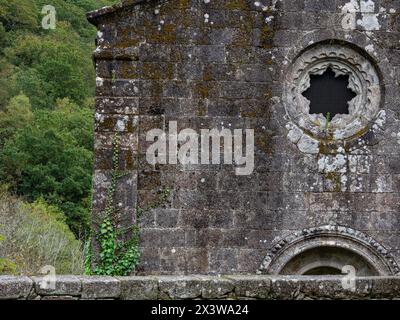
(324, 192)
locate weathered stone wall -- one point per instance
(198, 287)
(222, 63)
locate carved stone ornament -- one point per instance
(360, 244)
(363, 80)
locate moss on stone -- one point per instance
(154, 71)
(236, 5)
(263, 142)
(335, 179)
(202, 90)
(108, 124)
(163, 34)
(267, 36)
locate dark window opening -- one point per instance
(320, 271)
(329, 94)
(327, 261)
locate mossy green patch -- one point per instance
(236, 5)
(335, 179)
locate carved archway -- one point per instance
(304, 251)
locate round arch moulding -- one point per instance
(356, 242)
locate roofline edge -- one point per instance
(94, 15)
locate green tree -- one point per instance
(51, 67)
(17, 115)
(46, 150)
(7, 82)
(3, 37)
(52, 159)
(18, 14)
(74, 12)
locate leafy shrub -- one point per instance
(36, 235)
(7, 267)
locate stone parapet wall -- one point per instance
(198, 287)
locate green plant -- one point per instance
(328, 121)
(88, 252)
(36, 235)
(113, 77)
(17, 114)
(117, 256)
(7, 266)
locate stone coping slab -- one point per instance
(236, 287)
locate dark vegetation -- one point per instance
(46, 133)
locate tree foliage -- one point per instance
(51, 158)
(17, 115)
(51, 67)
(18, 14)
(46, 89)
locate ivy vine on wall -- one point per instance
(118, 252)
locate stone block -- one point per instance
(216, 287)
(251, 286)
(175, 288)
(138, 288)
(15, 287)
(96, 287)
(64, 286)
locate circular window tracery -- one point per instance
(363, 81)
